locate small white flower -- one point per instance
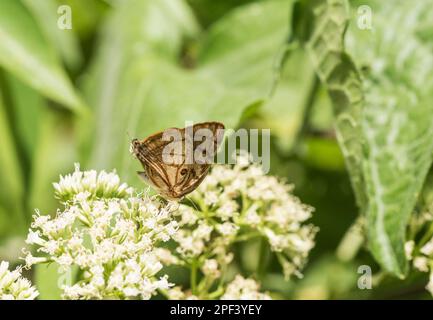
(34, 238)
(210, 268)
(421, 263)
(165, 256)
(244, 289)
(210, 198)
(227, 229)
(176, 293)
(228, 210)
(427, 249)
(278, 242)
(408, 249)
(64, 260)
(203, 231)
(252, 218)
(187, 214)
(30, 260)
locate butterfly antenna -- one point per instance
(129, 136)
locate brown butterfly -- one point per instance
(175, 161)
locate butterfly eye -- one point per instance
(183, 172)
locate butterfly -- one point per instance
(175, 161)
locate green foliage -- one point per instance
(384, 121)
(11, 187)
(397, 125)
(25, 52)
(46, 279)
(130, 68)
(65, 43)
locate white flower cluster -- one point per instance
(112, 240)
(244, 289)
(109, 234)
(13, 286)
(91, 183)
(236, 202)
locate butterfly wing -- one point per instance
(189, 178)
(147, 152)
(167, 169)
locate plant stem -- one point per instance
(426, 237)
(263, 258)
(216, 293)
(308, 107)
(194, 277)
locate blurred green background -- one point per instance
(130, 68)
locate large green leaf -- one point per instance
(326, 48)
(27, 105)
(142, 93)
(384, 114)
(25, 53)
(397, 122)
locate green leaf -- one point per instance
(25, 53)
(64, 41)
(143, 94)
(384, 114)
(337, 71)
(209, 11)
(397, 123)
(47, 280)
(11, 187)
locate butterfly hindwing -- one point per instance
(194, 175)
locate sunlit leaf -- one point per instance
(397, 123)
(384, 114)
